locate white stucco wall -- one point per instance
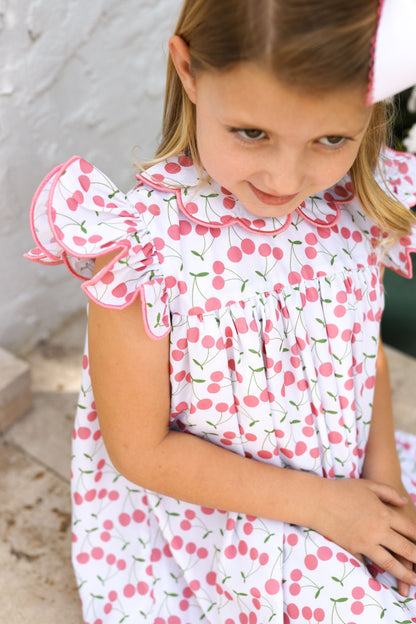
(76, 77)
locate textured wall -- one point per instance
(76, 77)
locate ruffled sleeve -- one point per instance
(77, 215)
(400, 177)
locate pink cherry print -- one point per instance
(319, 615)
(265, 250)
(265, 454)
(340, 311)
(212, 304)
(294, 589)
(272, 587)
(234, 254)
(97, 553)
(311, 562)
(357, 608)
(248, 246)
(138, 516)
(185, 161)
(174, 232)
(154, 210)
(324, 553)
(208, 342)
(85, 182)
(301, 448)
(84, 433)
(78, 498)
(202, 553)
(294, 278)
(124, 519)
(83, 557)
(90, 495)
(375, 585)
(204, 404)
(251, 400)
(230, 552)
(85, 166)
(172, 168)
(192, 208)
(228, 203)
(201, 230)
(79, 241)
(307, 272)
(310, 253)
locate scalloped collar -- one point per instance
(205, 202)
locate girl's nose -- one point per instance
(284, 173)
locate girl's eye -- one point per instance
(250, 134)
(332, 141)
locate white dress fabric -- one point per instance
(274, 330)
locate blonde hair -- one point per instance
(312, 45)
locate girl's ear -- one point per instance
(179, 52)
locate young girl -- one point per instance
(234, 453)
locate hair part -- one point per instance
(311, 45)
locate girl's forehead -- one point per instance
(247, 92)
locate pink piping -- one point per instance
(409, 273)
(178, 193)
(32, 212)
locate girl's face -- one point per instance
(270, 145)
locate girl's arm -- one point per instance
(130, 376)
(381, 460)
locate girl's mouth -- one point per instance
(271, 200)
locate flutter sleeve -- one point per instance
(78, 215)
(400, 177)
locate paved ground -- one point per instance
(35, 571)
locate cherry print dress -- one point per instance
(273, 327)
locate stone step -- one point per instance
(15, 390)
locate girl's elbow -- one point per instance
(135, 462)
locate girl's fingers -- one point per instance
(403, 573)
(401, 547)
(405, 528)
(388, 494)
(401, 586)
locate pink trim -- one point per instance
(370, 91)
(177, 191)
(32, 213)
(409, 273)
(328, 224)
(40, 259)
(232, 221)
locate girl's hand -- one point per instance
(409, 512)
(373, 520)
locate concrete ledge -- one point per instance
(15, 392)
